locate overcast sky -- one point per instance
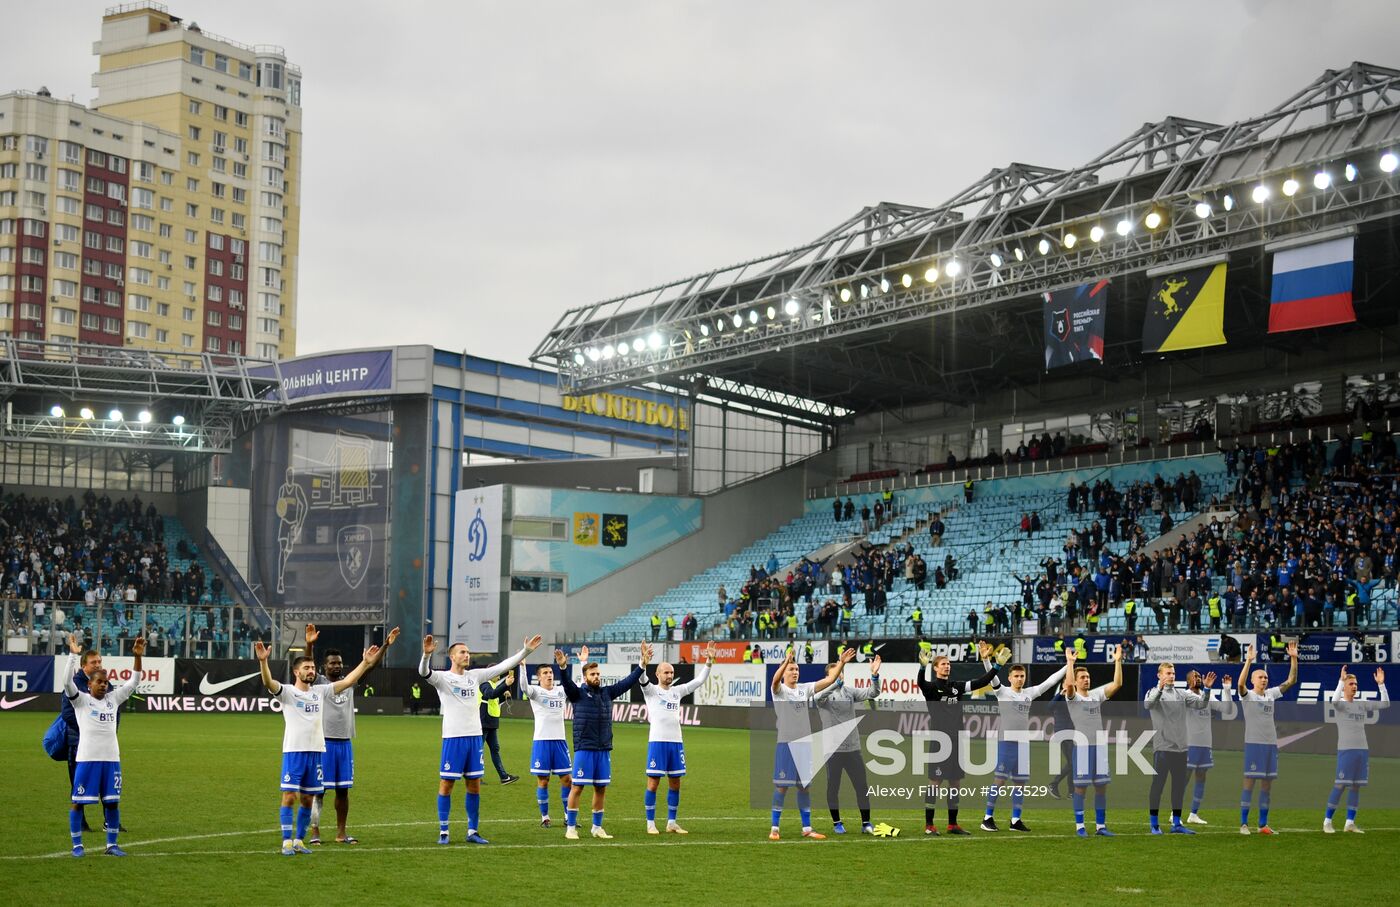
(472, 169)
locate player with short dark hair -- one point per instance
(941, 697)
(1261, 735)
(593, 733)
(1200, 756)
(1014, 700)
(792, 758)
(1351, 716)
(549, 754)
(665, 749)
(1090, 758)
(836, 705)
(463, 748)
(338, 761)
(98, 776)
(303, 739)
(1168, 707)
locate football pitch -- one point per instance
(200, 799)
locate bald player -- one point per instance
(665, 751)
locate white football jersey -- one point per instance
(303, 714)
(664, 706)
(548, 706)
(97, 718)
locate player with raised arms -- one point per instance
(463, 756)
(836, 705)
(593, 733)
(1168, 707)
(941, 697)
(304, 739)
(665, 750)
(1014, 700)
(1351, 716)
(791, 701)
(1200, 756)
(98, 776)
(1261, 735)
(1091, 758)
(549, 754)
(338, 763)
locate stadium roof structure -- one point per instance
(901, 304)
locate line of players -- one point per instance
(313, 761)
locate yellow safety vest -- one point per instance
(493, 708)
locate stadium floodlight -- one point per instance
(114, 416)
(656, 341)
(884, 284)
(1096, 233)
(623, 349)
(85, 412)
(1290, 187)
(1350, 173)
(144, 416)
(1203, 210)
(738, 320)
(1260, 194)
(1153, 220)
(1069, 240)
(1124, 227)
(608, 352)
(593, 354)
(792, 307)
(1388, 162)
(931, 275)
(56, 411)
(1322, 179)
(1044, 246)
(845, 294)
(178, 420)
(1228, 202)
(704, 330)
(907, 280)
(1020, 256)
(753, 316)
(578, 358)
(995, 259)
(771, 313)
(639, 344)
(864, 290)
(954, 268)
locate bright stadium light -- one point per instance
(1096, 233)
(56, 411)
(845, 294)
(1153, 220)
(1124, 227)
(623, 349)
(931, 275)
(996, 260)
(656, 341)
(178, 420)
(1260, 194)
(907, 280)
(578, 358)
(1069, 240)
(1020, 256)
(1203, 210)
(884, 284)
(753, 316)
(771, 313)
(1322, 179)
(1388, 162)
(1290, 187)
(954, 268)
(1350, 173)
(639, 344)
(144, 416)
(1228, 202)
(792, 307)
(1044, 246)
(704, 330)
(738, 320)
(85, 412)
(114, 416)
(608, 352)
(864, 290)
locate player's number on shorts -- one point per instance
(117, 783)
(319, 775)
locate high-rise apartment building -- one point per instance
(165, 217)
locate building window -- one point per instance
(214, 293)
(96, 159)
(68, 289)
(212, 344)
(197, 56)
(91, 322)
(66, 232)
(67, 205)
(195, 133)
(138, 329)
(216, 241)
(111, 325)
(216, 267)
(138, 303)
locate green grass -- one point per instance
(201, 802)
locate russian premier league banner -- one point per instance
(1186, 310)
(1074, 324)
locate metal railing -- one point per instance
(197, 631)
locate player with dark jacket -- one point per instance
(593, 732)
(945, 716)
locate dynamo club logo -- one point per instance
(476, 535)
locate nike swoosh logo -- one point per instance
(5, 703)
(210, 689)
(1284, 741)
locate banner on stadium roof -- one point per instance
(476, 568)
(1186, 310)
(157, 674)
(1312, 286)
(352, 373)
(1074, 324)
(733, 684)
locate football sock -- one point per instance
(473, 811)
(1353, 801)
(1018, 800)
(1078, 800)
(804, 807)
(542, 798)
(75, 825)
(778, 796)
(1264, 807)
(1100, 805)
(444, 812)
(597, 818)
(111, 818)
(571, 817)
(1245, 796)
(1197, 795)
(303, 820)
(649, 801)
(285, 817)
(1333, 799)
(673, 804)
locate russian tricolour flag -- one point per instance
(1312, 286)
